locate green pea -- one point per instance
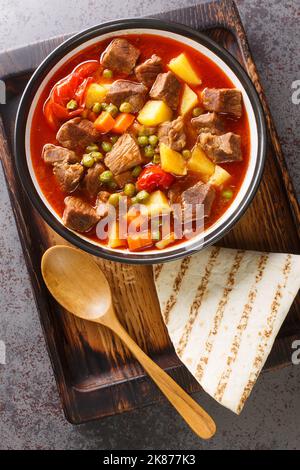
(97, 108)
(136, 171)
(72, 105)
(126, 107)
(129, 189)
(107, 73)
(146, 131)
(106, 176)
(87, 160)
(112, 185)
(114, 199)
(153, 139)
(156, 158)
(227, 194)
(97, 156)
(104, 106)
(142, 196)
(149, 151)
(197, 111)
(106, 146)
(112, 109)
(143, 140)
(186, 154)
(113, 139)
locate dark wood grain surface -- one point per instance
(96, 375)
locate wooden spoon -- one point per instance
(78, 284)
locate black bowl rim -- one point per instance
(109, 27)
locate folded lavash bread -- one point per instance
(223, 309)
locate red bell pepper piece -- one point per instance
(154, 177)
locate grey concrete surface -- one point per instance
(30, 411)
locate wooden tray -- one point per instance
(96, 375)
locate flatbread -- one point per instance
(223, 309)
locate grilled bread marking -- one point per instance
(242, 325)
(171, 302)
(225, 330)
(157, 270)
(197, 301)
(266, 334)
(219, 313)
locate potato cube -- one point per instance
(188, 101)
(154, 112)
(200, 163)
(114, 239)
(172, 161)
(157, 204)
(182, 67)
(219, 177)
(95, 94)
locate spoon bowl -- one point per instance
(76, 282)
(79, 285)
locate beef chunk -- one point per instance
(68, 176)
(200, 193)
(54, 154)
(172, 134)
(77, 133)
(223, 100)
(192, 191)
(167, 88)
(222, 148)
(124, 178)
(79, 215)
(148, 70)
(91, 183)
(102, 204)
(208, 122)
(120, 55)
(124, 155)
(125, 90)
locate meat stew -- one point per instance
(124, 122)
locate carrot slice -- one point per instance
(122, 122)
(104, 123)
(139, 241)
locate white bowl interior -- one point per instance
(222, 65)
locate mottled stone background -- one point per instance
(30, 411)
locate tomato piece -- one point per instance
(49, 115)
(73, 86)
(81, 90)
(65, 89)
(85, 69)
(61, 112)
(153, 177)
(55, 113)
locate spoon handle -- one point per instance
(198, 420)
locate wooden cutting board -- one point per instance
(96, 375)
